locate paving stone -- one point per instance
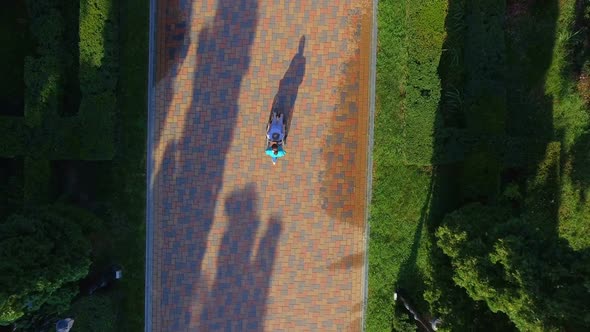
(241, 244)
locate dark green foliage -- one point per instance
(99, 69)
(510, 132)
(44, 73)
(43, 85)
(76, 64)
(40, 252)
(86, 221)
(502, 260)
(47, 26)
(90, 135)
(16, 44)
(37, 179)
(98, 48)
(96, 313)
(130, 160)
(15, 143)
(425, 30)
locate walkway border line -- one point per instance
(372, 83)
(149, 208)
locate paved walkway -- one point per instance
(235, 243)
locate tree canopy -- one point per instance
(42, 255)
(539, 283)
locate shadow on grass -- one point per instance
(581, 165)
(578, 42)
(493, 75)
(578, 72)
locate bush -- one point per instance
(99, 66)
(43, 85)
(40, 253)
(37, 180)
(426, 28)
(14, 140)
(513, 268)
(47, 26)
(43, 75)
(98, 138)
(90, 135)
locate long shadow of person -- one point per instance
(237, 301)
(286, 96)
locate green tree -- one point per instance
(538, 281)
(42, 255)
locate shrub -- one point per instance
(98, 74)
(90, 135)
(426, 28)
(43, 84)
(509, 264)
(37, 179)
(13, 143)
(39, 254)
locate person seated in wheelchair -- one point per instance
(276, 136)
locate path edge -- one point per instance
(149, 236)
(372, 83)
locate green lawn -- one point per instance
(507, 93)
(130, 160)
(398, 239)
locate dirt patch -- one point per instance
(584, 86)
(517, 8)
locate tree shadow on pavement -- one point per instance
(237, 301)
(190, 171)
(286, 96)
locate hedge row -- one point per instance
(99, 69)
(44, 73)
(485, 63)
(471, 62)
(426, 35)
(13, 139)
(43, 135)
(485, 95)
(37, 179)
(98, 72)
(90, 134)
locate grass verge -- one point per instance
(129, 161)
(397, 246)
(545, 73)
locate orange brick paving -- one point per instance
(240, 244)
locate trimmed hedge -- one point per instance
(14, 136)
(90, 134)
(426, 32)
(37, 180)
(485, 96)
(44, 74)
(43, 85)
(98, 46)
(47, 136)
(99, 69)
